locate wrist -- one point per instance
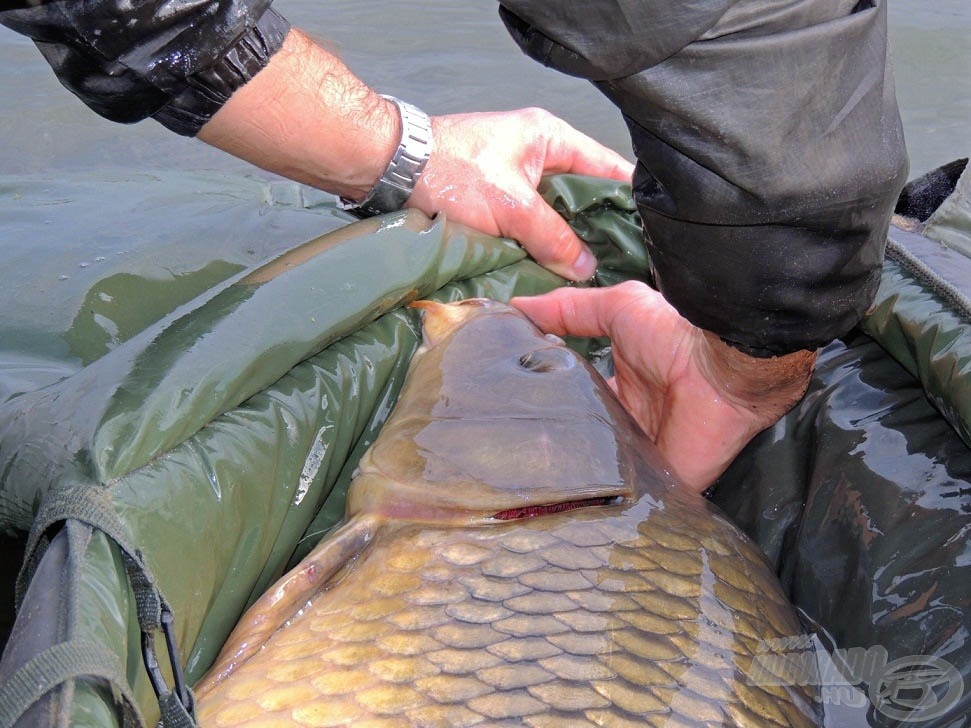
(376, 149)
(767, 387)
(395, 185)
(307, 117)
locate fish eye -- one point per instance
(547, 360)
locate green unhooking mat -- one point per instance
(186, 386)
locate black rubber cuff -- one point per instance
(207, 91)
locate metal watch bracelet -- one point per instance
(398, 181)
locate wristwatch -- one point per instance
(398, 181)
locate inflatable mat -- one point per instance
(182, 402)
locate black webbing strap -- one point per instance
(86, 503)
(174, 713)
(55, 666)
(90, 504)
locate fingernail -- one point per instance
(585, 265)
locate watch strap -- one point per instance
(395, 186)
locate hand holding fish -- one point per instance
(700, 400)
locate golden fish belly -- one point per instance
(634, 614)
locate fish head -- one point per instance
(498, 420)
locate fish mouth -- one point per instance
(534, 511)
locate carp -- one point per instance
(514, 552)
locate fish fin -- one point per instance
(277, 606)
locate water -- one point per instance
(930, 43)
(454, 57)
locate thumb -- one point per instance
(550, 240)
(566, 311)
(594, 311)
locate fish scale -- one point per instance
(422, 610)
(471, 655)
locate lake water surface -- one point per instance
(445, 57)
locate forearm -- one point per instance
(235, 74)
(306, 116)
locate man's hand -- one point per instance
(485, 170)
(700, 400)
(307, 117)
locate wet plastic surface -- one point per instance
(861, 497)
(221, 491)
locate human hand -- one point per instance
(306, 116)
(484, 171)
(697, 398)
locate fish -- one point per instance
(515, 551)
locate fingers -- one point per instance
(485, 170)
(598, 311)
(538, 227)
(572, 151)
(550, 240)
(578, 311)
(563, 311)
